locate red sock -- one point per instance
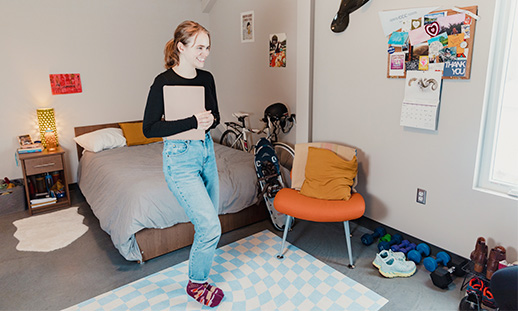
(205, 294)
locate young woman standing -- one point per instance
(190, 165)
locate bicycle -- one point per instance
(239, 136)
(273, 160)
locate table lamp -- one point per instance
(47, 123)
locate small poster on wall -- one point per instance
(247, 26)
(66, 83)
(278, 50)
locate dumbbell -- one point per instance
(443, 277)
(401, 245)
(431, 263)
(386, 238)
(404, 247)
(396, 239)
(419, 252)
(368, 239)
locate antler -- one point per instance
(424, 83)
(411, 80)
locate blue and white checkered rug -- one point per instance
(252, 278)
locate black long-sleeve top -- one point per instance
(155, 126)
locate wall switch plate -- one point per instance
(421, 196)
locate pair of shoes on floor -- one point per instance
(481, 290)
(393, 264)
(479, 256)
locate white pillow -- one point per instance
(100, 140)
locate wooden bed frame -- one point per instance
(156, 242)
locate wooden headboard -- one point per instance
(80, 130)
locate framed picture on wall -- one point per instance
(247, 26)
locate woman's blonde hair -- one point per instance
(183, 33)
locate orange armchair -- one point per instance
(291, 202)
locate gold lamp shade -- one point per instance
(47, 122)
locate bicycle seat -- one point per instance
(240, 114)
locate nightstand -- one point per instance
(37, 165)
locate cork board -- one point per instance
(448, 39)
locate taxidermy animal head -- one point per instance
(341, 19)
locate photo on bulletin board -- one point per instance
(247, 26)
(441, 36)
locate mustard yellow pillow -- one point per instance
(328, 176)
(134, 135)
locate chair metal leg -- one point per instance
(284, 236)
(348, 239)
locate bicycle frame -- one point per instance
(244, 133)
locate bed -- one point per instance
(127, 192)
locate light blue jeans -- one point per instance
(192, 175)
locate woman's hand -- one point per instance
(205, 120)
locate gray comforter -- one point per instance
(127, 192)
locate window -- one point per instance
(497, 160)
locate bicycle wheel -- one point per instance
(229, 139)
(285, 154)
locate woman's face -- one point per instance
(195, 51)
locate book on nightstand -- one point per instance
(42, 202)
(29, 148)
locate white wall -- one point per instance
(355, 104)
(116, 46)
(244, 80)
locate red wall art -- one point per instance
(65, 83)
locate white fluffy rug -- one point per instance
(48, 232)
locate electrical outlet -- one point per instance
(421, 196)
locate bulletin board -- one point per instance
(442, 36)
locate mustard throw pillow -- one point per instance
(328, 176)
(134, 135)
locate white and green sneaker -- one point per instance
(393, 268)
(385, 255)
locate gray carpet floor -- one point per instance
(91, 266)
